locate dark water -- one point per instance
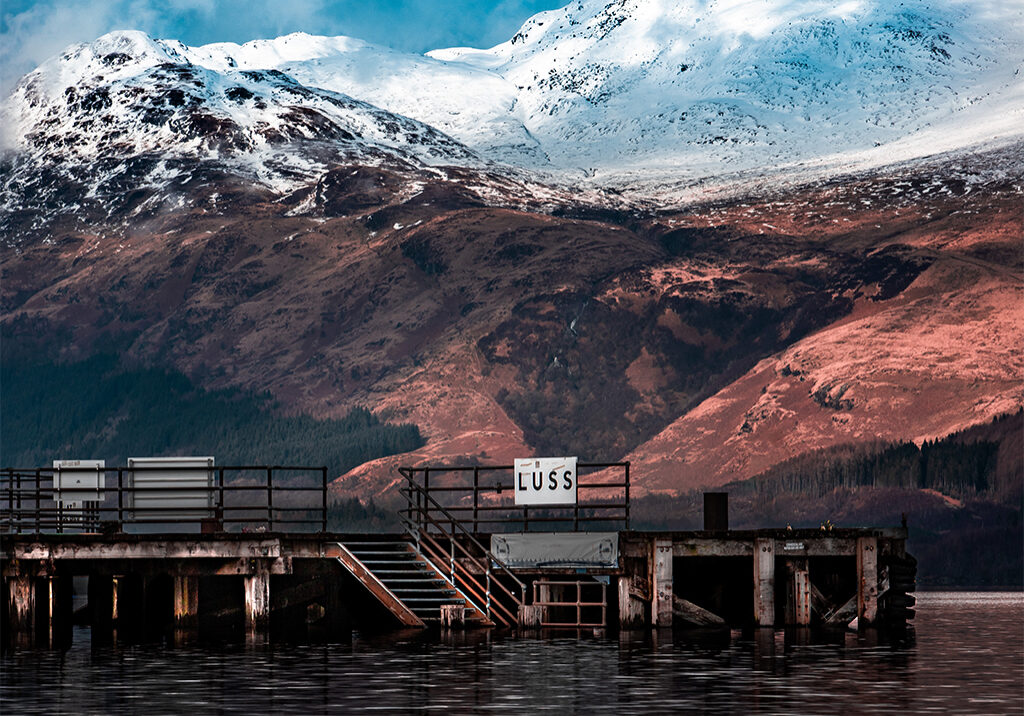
(965, 656)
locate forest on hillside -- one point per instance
(961, 496)
(99, 409)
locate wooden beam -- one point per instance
(764, 582)
(257, 601)
(148, 549)
(712, 548)
(867, 580)
(186, 602)
(661, 607)
(632, 602)
(799, 589)
(21, 608)
(692, 614)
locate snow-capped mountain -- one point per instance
(128, 104)
(637, 94)
(694, 89)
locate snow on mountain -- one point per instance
(470, 103)
(127, 96)
(649, 95)
(704, 87)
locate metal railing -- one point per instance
(431, 525)
(234, 498)
(483, 496)
(557, 598)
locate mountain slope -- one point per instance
(704, 88)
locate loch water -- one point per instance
(965, 655)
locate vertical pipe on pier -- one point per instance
(661, 607)
(867, 580)
(764, 582)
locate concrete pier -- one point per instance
(139, 585)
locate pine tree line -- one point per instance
(99, 409)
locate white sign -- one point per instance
(78, 481)
(545, 481)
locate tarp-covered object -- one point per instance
(557, 549)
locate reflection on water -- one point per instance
(965, 656)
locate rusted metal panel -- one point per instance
(368, 579)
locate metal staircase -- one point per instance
(413, 580)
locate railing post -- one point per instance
(487, 559)
(451, 548)
(426, 496)
(220, 488)
(18, 492)
(323, 475)
(39, 506)
(476, 494)
(10, 500)
(120, 500)
(627, 496)
(270, 499)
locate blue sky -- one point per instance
(31, 31)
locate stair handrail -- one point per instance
(454, 521)
(460, 578)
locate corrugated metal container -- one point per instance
(151, 480)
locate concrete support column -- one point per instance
(867, 580)
(186, 602)
(764, 582)
(21, 608)
(257, 599)
(661, 607)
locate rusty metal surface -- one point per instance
(369, 580)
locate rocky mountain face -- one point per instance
(582, 241)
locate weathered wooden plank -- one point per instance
(453, 616)
(21, 607)
(661, 608)
(712, 548)
(155, 549)
(186, 601)
(257, 601)
(693, 614)
(801, 591)
(369, 580)
(529, 616)
(867, 580)
(631, 602)
(764, 582)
